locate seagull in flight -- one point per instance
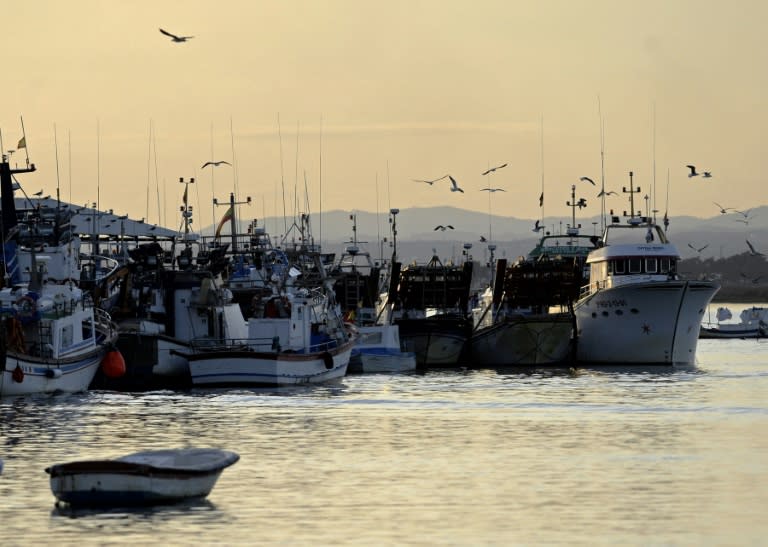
(454, 185)
(693, 172)
(430, 182)
(745, 214)
(38, 194)
(723, 210)
(587, 179)
(443, 228)
(604, 193)
(536, 227)
(492, 169)
(752, 250)
(492, 190)
(215, 163)
(482, 239)
(706, 174)
(699, 249)
(175, 38)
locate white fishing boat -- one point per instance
(143, 478)
(753, 324)
(298, 339)
(636, 309)
(377, 349)
(53, 338)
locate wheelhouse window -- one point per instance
(87, 330)
(619, 266)
(651, 265)
(635, 265)
(664, 265)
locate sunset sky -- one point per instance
(370, 95)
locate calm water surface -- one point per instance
(476, 457)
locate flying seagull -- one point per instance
(492, 169)
(752, 250)
(604, 193)
(492, 190)
(430, 182)
(706, 174)
(215, 163)
(693, 172)
(699, 249)
(38, 194)
(443, 228)
(482, 239)
(175, 38)
(454, 185)
(536, 227)
(723, 210)
(587, 179)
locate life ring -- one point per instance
(26, 307)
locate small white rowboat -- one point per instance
(144, 478)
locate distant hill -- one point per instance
(719, 236)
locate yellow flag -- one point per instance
(22, 143)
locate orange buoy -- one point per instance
(113, 364)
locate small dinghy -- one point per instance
(144, 478)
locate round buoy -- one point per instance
(113, 364)
(17, 375)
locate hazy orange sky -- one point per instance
(385, 92)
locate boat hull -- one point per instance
(25, 376)
(382, 360)
(652, 323)
(145, 478)
(523, 340)
(253, 368)
(436, 342)
(730, 333)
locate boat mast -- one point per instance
(632, 190)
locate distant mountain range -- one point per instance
(716, 237)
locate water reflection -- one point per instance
(472, 456)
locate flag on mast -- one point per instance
(22, 143)
(541, 200)
(227, 217)
(186, 188)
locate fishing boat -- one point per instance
(358, 283)
(171, 300)
(429, 303)
(526, 315)
(143, 478)
(636, 309)
(164, 310)
(298, 339)
(378, 349)
(753, 324)
(53, 338)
